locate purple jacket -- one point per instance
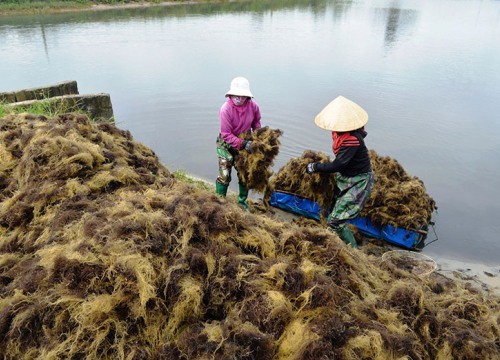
(235, 120)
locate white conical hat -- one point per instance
(341, 115)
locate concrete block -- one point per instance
(69, 87)
(96, 106)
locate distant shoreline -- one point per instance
(139, 5)
(97, 7)
(6, 10)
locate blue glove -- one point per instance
(247, 145)
(311, 168)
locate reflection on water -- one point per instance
(426, 72)
(177, 11)
(396, 21)
(42, 27)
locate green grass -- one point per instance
(184, 177)
(198, 183)
(3, 110)
(202, 184)
(41, 107)
(11, 7)
(29, 6)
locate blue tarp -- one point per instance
(296, 205)
(397, 236)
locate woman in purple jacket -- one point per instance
(239, 114)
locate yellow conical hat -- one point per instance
(341, 115)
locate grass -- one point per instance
(198, 183)
(41, 107)
(11, 7)
(3, 109)
(201, 184)
(28, 6)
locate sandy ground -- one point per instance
(479, 276)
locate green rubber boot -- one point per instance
(221, 189)
(347, 236)
(242, 197)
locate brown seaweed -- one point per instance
(255, 167)
(116, 259)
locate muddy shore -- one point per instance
(479, 276)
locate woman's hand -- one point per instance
(311, 168)
(247, 145)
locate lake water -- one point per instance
(427, 72)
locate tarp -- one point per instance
(397, 236)
(296, 205)
(408, 239)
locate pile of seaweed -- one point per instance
(397, 199)
(104, 255)
(293, 179)
(255, 167)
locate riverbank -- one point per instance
(478, 276)
(47, 7)
(143, 4)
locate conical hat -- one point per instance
(341, 115)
